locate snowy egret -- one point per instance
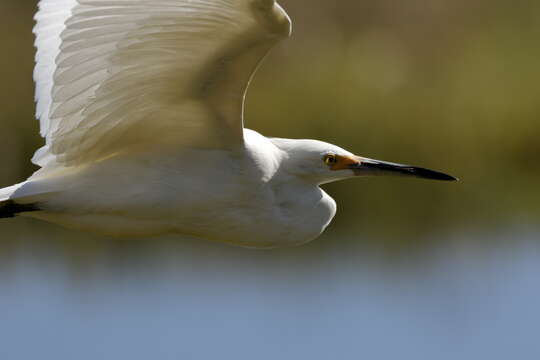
(141, 106)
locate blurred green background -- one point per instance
(446, 84)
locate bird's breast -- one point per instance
(301, 213)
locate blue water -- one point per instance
(180, 300)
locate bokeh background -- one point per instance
(409, 269)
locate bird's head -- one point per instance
(322, 163)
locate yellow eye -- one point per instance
(330, 159)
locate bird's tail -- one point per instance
(5, 193)
(9, 208)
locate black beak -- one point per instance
(375, 167)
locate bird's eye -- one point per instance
(330, 159)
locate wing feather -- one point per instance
(114, 75)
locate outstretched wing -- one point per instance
(114, 75)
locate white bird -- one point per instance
(141, 106)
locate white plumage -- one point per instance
(112, 74)
(141, 106)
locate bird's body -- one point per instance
(224, 195)
(141, 105)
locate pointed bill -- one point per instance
(364, 166)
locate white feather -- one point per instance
(114, 75)
(141, 104)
